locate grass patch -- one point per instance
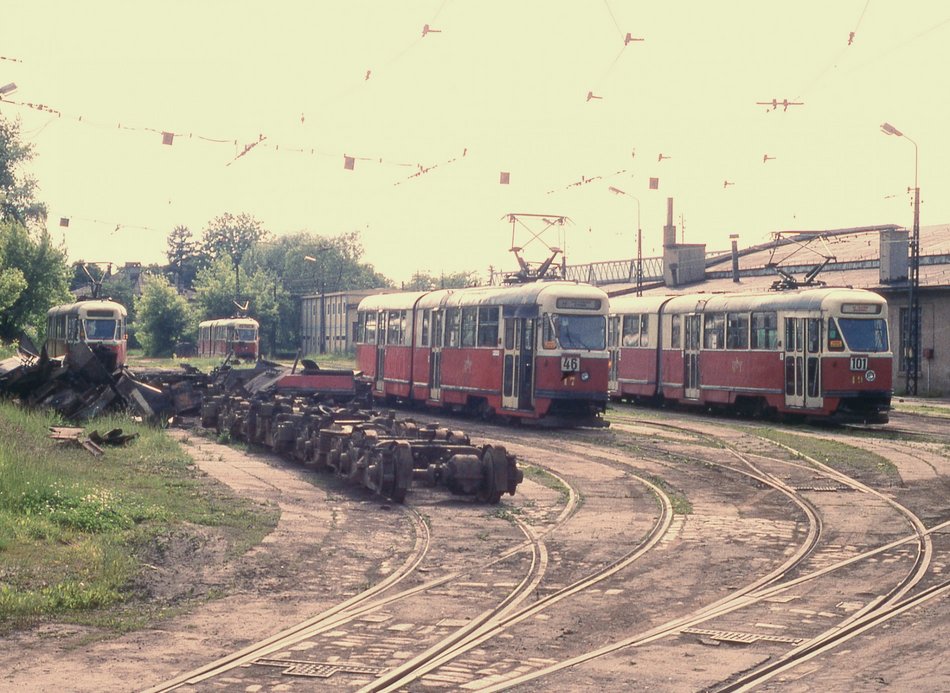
(545, 478)
(77, 531)
(678, 499)
(922, 409)
(857, 462)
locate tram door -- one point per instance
(692, 325)
(379, 384)
(613, 350)
(435, 355)
(803, 339)
(517, 374)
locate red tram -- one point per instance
(820, 352)
(238, 336)
(533, 352)
(100, 324)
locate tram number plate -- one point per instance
(570, 363)
(859, 363)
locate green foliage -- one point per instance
(17, 203)
(42, 281)
(185, 257)
(424, 281)
(262, 291)
(12, 286)
(164, 317)
(230, 236)
(74, 529)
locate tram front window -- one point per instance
(864, 335)
(580, 331)
(245, 334)
(100, 329)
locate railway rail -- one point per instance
(898, 570)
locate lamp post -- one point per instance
(322, 331)
(618, 191)
(912, 353)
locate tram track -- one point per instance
(510, 610)
(878, 610)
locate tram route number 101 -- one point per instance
(859, 363)
(570, 364)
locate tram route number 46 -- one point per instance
(859, 363)
(570, 364)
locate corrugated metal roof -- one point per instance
(856, 264)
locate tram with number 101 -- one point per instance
(814, 353)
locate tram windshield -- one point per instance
(101, 329)
(578, 331)
(864, 334)
(245, 334)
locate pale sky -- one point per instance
(497, 85)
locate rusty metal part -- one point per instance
(373, 449)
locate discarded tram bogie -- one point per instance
(376, 450)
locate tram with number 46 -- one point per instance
(817, 353)
(532, 352)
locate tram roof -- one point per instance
(512, 295)
(67, 308)
(229, 321)
(800, 299)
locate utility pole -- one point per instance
(912, 348)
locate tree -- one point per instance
(267, 300)
(307, 264)
(422, 281)
(163, 317)
(184, 256)
(214, 289)
(17, 189)
(232, 236)
(44, 271)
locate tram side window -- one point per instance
(676, 340)
(488, 326)
(713, 331)
(394, 330)
(631, 330)
(369, 328)
(469, 316)
(613, 325)
(424, 336)
(452, 319)
(359, 330)
(737, 331)
(764, 330)
(813, 335)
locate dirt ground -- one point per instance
(329, 544)
(273, 586)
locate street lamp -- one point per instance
(322, 332)
(7, 89)
(913, 292)
(618, 191)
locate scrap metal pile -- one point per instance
(79, 386)
(320, 418)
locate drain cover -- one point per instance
(318, 670)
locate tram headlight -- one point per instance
(585, 376)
